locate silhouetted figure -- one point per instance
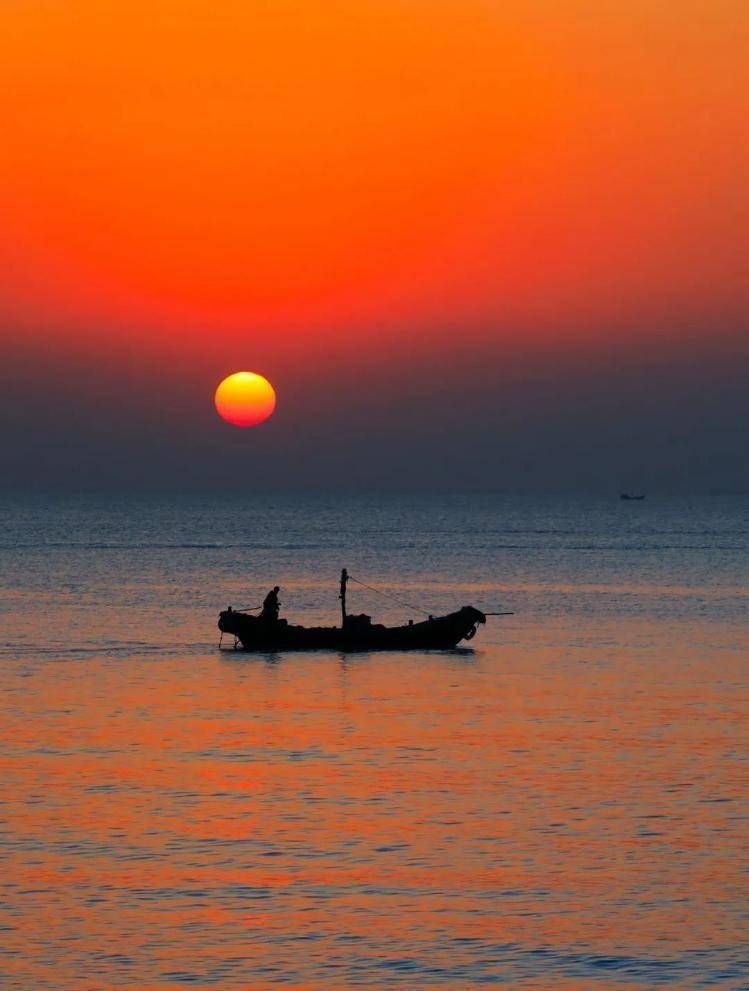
(271, 606)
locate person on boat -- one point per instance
(271, 605)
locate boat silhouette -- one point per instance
(356, 633)
(629, 497)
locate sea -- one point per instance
(559, 804)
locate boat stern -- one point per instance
(229, 621)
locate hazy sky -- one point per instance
(471, 244)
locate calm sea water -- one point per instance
(561, 806)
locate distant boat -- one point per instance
(631, 498)
(356, 633)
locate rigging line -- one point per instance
(387, 595)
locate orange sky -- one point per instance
(188, 169)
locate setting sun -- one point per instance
(245, 399)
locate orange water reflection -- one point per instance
(563, 816)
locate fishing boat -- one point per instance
(356, 633)
(630, 497)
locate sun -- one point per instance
(245, 399)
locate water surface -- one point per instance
(561, 806)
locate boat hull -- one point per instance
(437, 633)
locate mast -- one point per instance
(342, 596)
